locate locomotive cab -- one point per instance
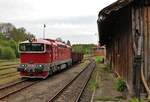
(35, 58)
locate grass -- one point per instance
(9, 60)
(8, 63)
(9, 79)
(82, 65)
(106, 99)
(8, 71)
(11, 70)
(136, 100)
(94, 82)
(9, 75)
(7, 67)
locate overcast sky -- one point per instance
(73, 20)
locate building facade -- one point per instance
(124, 28)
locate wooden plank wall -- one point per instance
(146, 47)
(120, 49)
(123, 47)
(141, 22)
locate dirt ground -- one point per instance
(46, 88)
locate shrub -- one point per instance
(7, 53)
(136, 100)
(10, 43)
(4, 43)
(99, 59)
(14, 46)
(120, 84)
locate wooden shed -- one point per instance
(124, 28)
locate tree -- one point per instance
(59, 39)
(1, 36)
(19, 34)
(29, 36)
(68, 43)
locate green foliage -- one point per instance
(99, 59)
(4, 42)
(84, 48)
(120, 84)
(1, 36)
(93, 84)
(136, 100)
(10, 43)
(7, 53)
(0, 50)
(18, 34)
(10, 39)
(14, 46)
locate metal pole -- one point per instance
(44, 31)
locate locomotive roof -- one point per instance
(46, 41)
(38, 41)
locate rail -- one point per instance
(6, 89)
(90, 67)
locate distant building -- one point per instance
(99, 51)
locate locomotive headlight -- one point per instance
(39, 65)
(23, 65)
(39, 68)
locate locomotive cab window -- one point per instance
(31, 47)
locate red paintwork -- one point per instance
(38, 74)
(57, 53)
(76, 57)
(54, 53)
(35, 58)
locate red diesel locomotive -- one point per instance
(43, 57)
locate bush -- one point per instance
(120, 84)
(7, 53)
(14, 46)
(99, 59)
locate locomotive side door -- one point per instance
(49, 52)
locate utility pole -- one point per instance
(44, 31)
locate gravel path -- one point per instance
(46, 88)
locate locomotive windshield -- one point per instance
(31, 47)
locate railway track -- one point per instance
(13, 88)
(74, 89)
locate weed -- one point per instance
(99, 59)
(136, 100)
(120, 84)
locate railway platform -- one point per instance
(106, 91)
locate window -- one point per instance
(31, 47)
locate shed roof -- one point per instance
(112, 8)
(106, 17)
